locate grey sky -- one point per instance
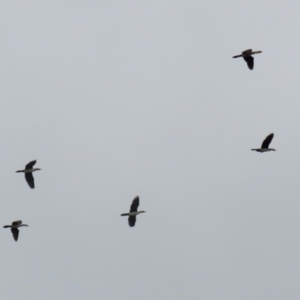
(122, 98)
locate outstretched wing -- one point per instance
(30, 165)
(30, 180)
(15, 233)
(131, 221)
(250, 61)
(135, 204)
(16, 223)
(265, 144)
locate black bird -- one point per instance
(28, 173)
(133, 211)
(265, 144)
(248, 58)
(14, 228)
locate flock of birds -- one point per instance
(29, 168)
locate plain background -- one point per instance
(122, 98)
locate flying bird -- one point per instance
(248, 58)
(14, 228)
(28, 173)
(133, 211)
(265, 144)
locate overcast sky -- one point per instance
(116, 99)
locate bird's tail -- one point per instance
(124, 215)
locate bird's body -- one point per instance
(14, 228)
(132, 214)
(265, 144)
(262, 150)
(27, 170)
(133, 211)
(28, 173)
(247, 55)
